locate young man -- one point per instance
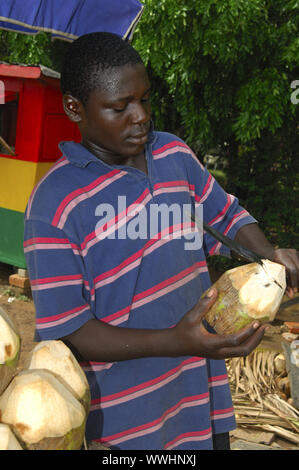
(122, 295)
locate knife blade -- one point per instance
(232, 244)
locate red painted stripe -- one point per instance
(20, 71)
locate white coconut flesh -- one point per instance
(261, 291)
(8, 440)
(55, 356)
(9, 339)
(37, 405)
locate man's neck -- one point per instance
(135, 161)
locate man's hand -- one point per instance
(289, 258)
(192, 338)
(252, 237)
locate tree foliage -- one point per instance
(221, 75)
(228, 64)
(31, 50)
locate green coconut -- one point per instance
(247, 293)
(10, 345)
(42, 412)
(55, 356)
(8, 440)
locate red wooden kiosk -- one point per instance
(32, 123)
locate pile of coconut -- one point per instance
(44, 406)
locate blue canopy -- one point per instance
(69, 19)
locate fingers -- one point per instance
(292, 269)
(203, 305)
(289, 258)
(290, 292)
(215, 346)
(243, 342)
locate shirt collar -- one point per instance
(78, 155)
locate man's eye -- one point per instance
(119, 110)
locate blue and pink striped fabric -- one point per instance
(81, 269)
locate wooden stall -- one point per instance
(32, 123)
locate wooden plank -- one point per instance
(244, 445)
(259, 437)
(290, 436)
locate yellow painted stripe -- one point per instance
(17, 180)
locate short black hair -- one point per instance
(88, 57)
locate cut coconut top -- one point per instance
(55, 356)
(8, 440)
(9, 339)
(261, 288)
(38, 405)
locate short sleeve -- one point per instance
(56, 272)
(221, 210)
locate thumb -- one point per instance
(203, 305)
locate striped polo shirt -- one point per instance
(100, 244)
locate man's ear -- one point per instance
(72, 107)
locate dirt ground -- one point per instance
(21, 309)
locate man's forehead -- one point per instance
(116, 78)
(122, 80)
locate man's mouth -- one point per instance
(139, 139)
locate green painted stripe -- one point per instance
(11, 238)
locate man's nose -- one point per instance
(140, 113)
